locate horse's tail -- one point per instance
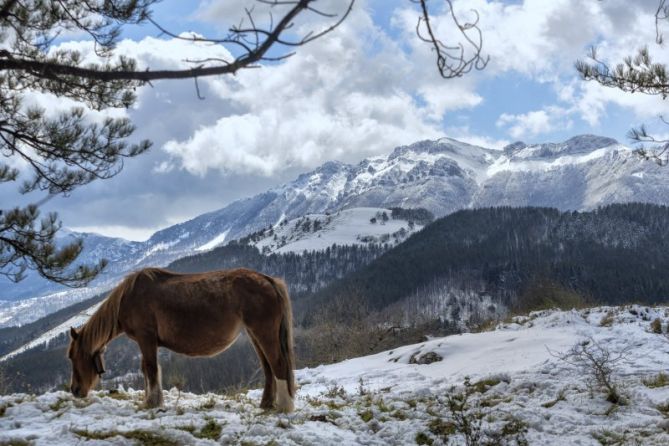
(286, 332)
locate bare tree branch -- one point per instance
(254, 54)
(457, 59)
(662, 13)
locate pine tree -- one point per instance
(636, 74)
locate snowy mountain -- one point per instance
(517, 384)
(441, 176)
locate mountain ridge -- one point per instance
(442, 176)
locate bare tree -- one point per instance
(597, 362)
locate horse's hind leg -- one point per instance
(267, 401)
(269, 344)
(153, 389)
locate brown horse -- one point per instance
(194, 314)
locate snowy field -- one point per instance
(346, 227)
(519, 392)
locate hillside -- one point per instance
(502, 256)
(356, 226)
(520, 392)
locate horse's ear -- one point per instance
(73, 333)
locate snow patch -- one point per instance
(220, 238)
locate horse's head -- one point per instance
(87, 367)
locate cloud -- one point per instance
(535, 122)
(121, 231)
(349, 95)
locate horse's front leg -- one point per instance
(153, 388)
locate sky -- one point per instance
(360, 91)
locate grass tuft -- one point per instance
(118, 395)
(366, 415)
(656, 326)
(335, 391)
(59, 404)
(485, 384)
(607, 320)
(659, 380)
(211, 430)
(423, 438)
(209, 404)
(441, 428)
(663, 408)
(560, 397)
(144, 438)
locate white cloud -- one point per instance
(535, 122)
(351, 94)
(362, 90)
(125, 232)
(541, 40)
(465, 134)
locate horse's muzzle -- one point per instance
(76, 391)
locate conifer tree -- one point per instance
(637, 74)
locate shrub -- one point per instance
(656, 326)
(545, 295)
(598, 363)
(467, 419)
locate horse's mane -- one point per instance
(103, 325)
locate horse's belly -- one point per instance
(202, 347)
(203, 337)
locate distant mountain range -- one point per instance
(441, 176)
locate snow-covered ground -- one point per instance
(520, 390)
(317, 232)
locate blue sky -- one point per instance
(360, 91)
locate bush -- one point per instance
(598, 363)
(545, 295)
(656, 326)
(468, 414)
